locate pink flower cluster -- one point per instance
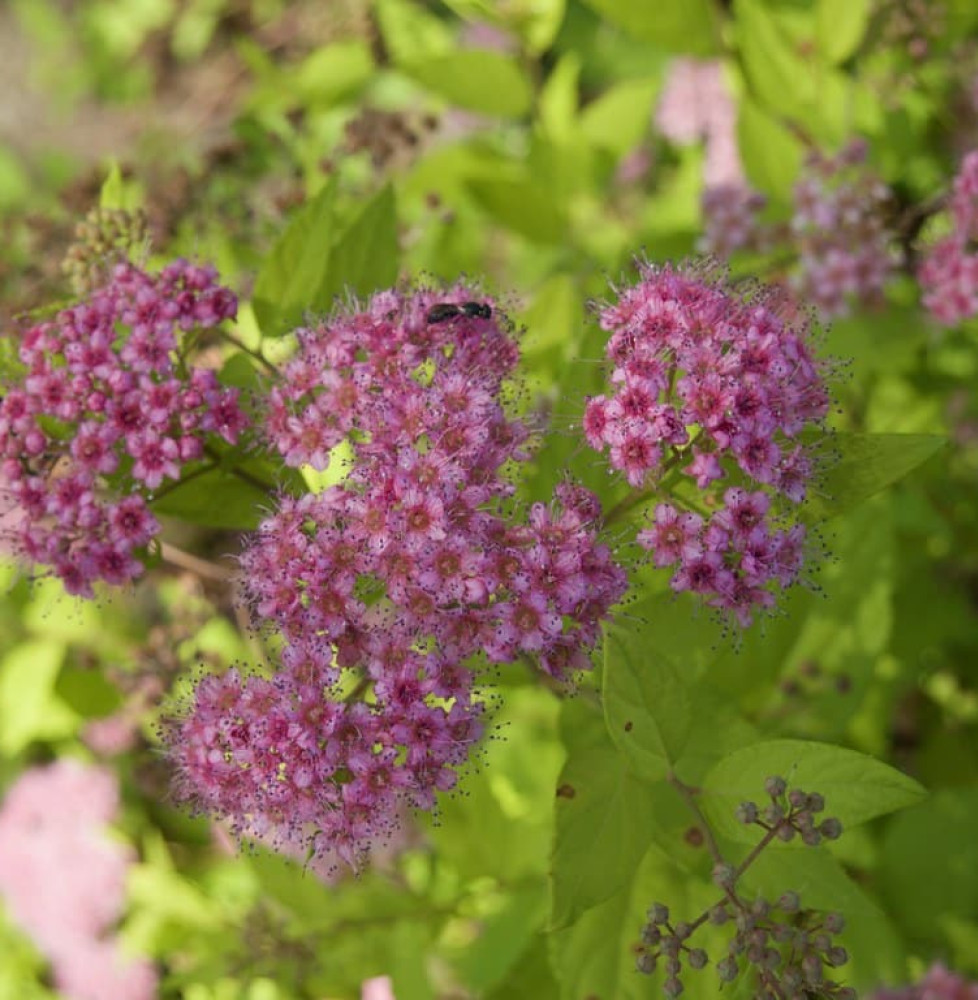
(939, 983)
(731, 220)
(105, 412)
(948, 274)
(708, 385)
(62, 878)
(837, 229)
(390, 581)
(697, 105)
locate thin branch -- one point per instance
(202, 567)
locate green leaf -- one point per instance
(647, 705)
(411, 33)
(557, 106)
(29, 708)
(929, 864)
(530, 978)
(491, 83)
(863, 465)
(772, 155)
(364, 258)
(856, 787)
(331, 72)
(503, 826)
(619, 118)
(603, 816)
(319, 257)
(217, 499)
(505, 935)
(119, 193)
(674, 25)
(523, 205)
(296, 267)
(840, 26)
(778, 77)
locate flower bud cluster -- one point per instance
(391, 580)
(938, 983)
(105, 237)
(787, 946)
(838, 229)
(716, 387)
(948, 273)
(63, 879)
(791, 813)
(664, 946)
(104, 412)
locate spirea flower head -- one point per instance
(105, 411)
(708, 393)
(731, 220)
(392, 580)
(839, 231)
(62, 878)
(948, 272)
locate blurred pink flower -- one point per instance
(63, 878)
(378, 988)
(697, 106)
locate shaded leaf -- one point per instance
(862, 465)
(647, 704)
(603, 815)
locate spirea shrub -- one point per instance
(709, 391)
(106, 409)
(385, 587)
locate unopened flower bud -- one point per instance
(724, 875)
(789, 902)
(811, 838)
(746, 813)
(797, 799)
(831, 829)
(727, 970)
(811, 966)
(672, 988)
(837, 956)
(775, 786)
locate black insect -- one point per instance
(443, 311)
(480, 310)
